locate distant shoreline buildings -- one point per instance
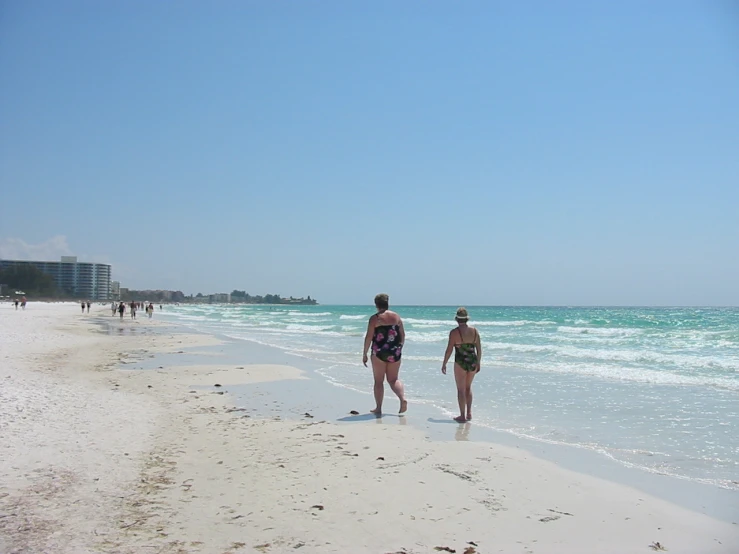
(90, 281)
(236, 297)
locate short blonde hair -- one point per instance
(382, 301)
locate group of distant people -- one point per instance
(115, 308)
(133, 307)
(386, 337)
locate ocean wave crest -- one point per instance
(603, 331)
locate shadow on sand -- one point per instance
(450, 420)
(367, 417)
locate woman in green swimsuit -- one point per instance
(465, 342)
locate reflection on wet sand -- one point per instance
(463, 431)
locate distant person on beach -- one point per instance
(386, 336)
(133, 310)
(23, 303)
(88, 306)
(150, 309)
(113, 308)
(83, 307)
(121, 309)
(465, 342)
(16, 303)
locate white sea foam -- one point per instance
(451, 323)
(684, 362)
(423, 358)
(604, 331)
(517, 323)
(518, 347)
(309, 328)
(429, 322)
(266, 322)
(323, 352)
(344, 316)
(639, 375)
(425, 337)
(312, 320)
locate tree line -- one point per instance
(154, 295)
(246, 298)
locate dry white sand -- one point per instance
(99, 459)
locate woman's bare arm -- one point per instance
(478, 346)
(448, 353)
(368, 338)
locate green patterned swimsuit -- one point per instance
(465, 354)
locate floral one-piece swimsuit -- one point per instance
(386, 343)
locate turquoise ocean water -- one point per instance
(653, 388)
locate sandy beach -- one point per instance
(98, 456)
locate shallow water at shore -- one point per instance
(316, 400)
(654, 389)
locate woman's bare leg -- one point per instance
(379, 369)
(393, 369)
(460, 378)
(468, 392)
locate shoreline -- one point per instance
(648, 389)
(702, 497)
(182, 471)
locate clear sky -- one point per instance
(443, 152)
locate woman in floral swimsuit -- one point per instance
(465, 342)
(386, 336)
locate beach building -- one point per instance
(79, 279)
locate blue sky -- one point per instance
(444, 152)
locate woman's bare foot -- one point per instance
(460, 419)
(469, 416)
(376, 411)
(403, 406)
